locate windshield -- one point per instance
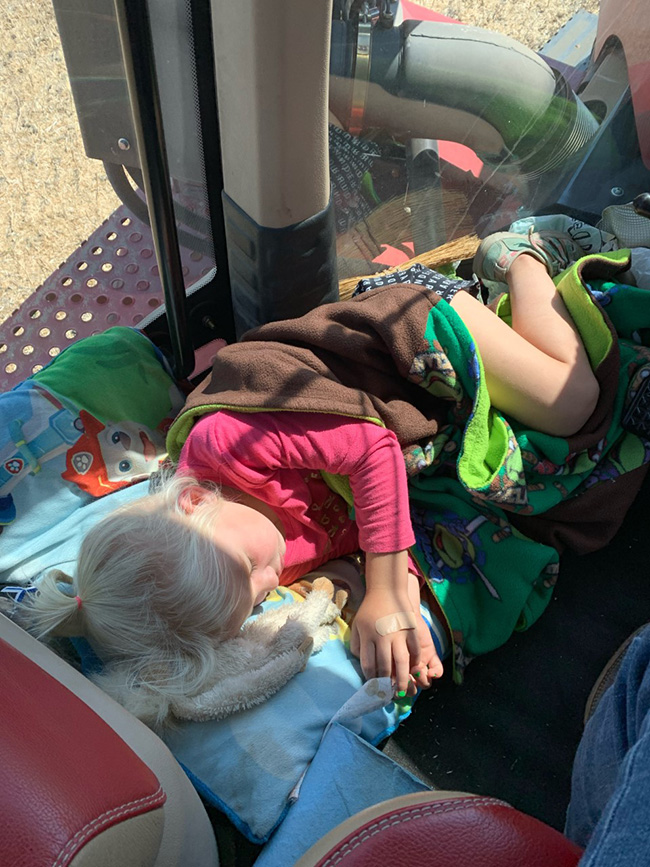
(459, 129)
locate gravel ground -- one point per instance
(52, 197)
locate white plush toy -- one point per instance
(249, 668)
(268, 652)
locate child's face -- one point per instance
(255, 545)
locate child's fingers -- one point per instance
(420, 676)
(425, 675)
(413, 645)
(368, 659)
(434, 664)
(401, 667)
(435, 667)
(383, 658)
(355, 643)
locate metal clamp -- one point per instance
(368, 15)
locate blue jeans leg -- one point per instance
(609, 813)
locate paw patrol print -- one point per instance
(82, 462)
(14, 466)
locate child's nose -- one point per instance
(271, 578)
(267, 581)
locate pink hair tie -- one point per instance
(78, 598)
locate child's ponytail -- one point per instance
(57, 608)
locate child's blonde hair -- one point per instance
(151, 594)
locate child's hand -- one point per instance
(394, 654)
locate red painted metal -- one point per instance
(627, 21)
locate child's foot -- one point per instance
(497, 253)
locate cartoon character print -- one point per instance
(630, 451)
(581, 463)
(473, 365)
(463, 412)
(451, 547)
(625, 455)
(433, 453)
(541, 466)
(637, 379)
(503, 527)
(508, 487)
(432, 370)
(108, 457)
(42, 430)
(606, 296)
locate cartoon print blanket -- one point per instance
(91, 422)
(493, 504)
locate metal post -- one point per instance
(139, 64)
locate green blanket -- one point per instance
(496, 502)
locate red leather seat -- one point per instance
(82, 782)
(442, 829)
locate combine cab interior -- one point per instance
(267, 156)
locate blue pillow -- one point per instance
(248, 764)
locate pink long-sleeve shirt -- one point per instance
(277, 456)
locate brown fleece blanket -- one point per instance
(355, 358)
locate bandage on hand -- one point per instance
(395, 622)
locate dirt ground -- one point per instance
(52, 196)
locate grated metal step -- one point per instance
(111, 279)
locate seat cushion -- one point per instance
(65, 775)
(445, 829)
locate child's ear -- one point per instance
(191, 497)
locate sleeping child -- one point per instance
(300, 449)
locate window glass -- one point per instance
(451, 119)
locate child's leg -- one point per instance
(537, 371)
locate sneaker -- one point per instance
(497, 253)
(589, 238)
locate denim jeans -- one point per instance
(609, 813)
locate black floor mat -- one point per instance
(512, 729)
